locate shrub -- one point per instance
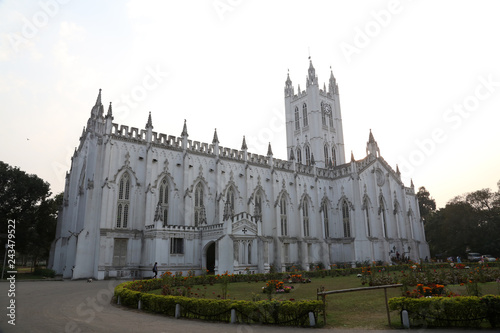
(466, 311)
(45, 272)
(265, 312)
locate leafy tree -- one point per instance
(25, 199)
(426, 204)
(469, 221)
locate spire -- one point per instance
(288, 86)
(371, 139)
(98, 101)
(110, 112)
(292, 156)
(216, 138)
(269, 151)
(372, 146)
(352, 157)
(83, 133)
(332, 83)
(184, 130)
(149, 124)
(97, 109)
(411, 184)
(312, 159)
(311, 74)
(397, 170)
(311, 71)
(244, 144)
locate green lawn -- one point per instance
(361, 310)
(364, 309)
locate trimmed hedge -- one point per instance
(461, 311)
(45, 272)
(264, 312)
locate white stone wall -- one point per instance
(87, 233)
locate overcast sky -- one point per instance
(424, 76)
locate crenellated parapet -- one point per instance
(233, 154)
(164, 140)
(410, 191)
(126, 132)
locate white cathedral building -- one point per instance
(134, 197)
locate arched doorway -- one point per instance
(210, 255)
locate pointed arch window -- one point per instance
(257, 212)
(163, 200)
(198, 205)
(324, 208)
(411, 219)
(308, 156)
(299, 156)
(123, 203)
(334, 158)
(382, 215)
(396, 218)
(229, 208)
(249, 253)
(330, 117)
(346, 219)
(367, 219)
(304, 115)
(305, 217)
(297, 119)
(283, 216)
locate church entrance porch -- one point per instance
(210, 258)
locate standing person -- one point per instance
(155, 270)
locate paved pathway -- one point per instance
(80, 307)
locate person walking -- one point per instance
(155, 270)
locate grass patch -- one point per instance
(360, 310)
(364, 310)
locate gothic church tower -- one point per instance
(314, 123)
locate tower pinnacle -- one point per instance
(216, 138)
(372, 146)
(149, 124)
(184, 130)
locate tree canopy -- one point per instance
(469, 222)
(26, 199)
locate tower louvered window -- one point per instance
(304, 115)
(323, 114)
(327, 158)
(297, 119)
(308, 156)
